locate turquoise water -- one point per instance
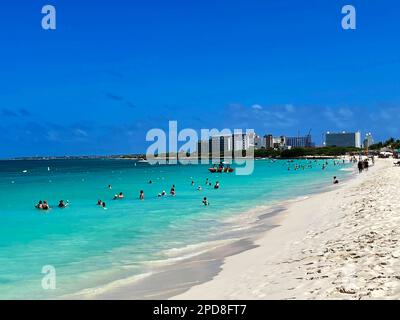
(90, 246)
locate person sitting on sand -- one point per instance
(335, 181)
(205, 201)
(39, 205)
(62, 204)
(141, 196)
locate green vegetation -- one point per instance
(301, 152)
(390, 143)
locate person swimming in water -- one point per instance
(45, 205)
(172, 191)
(199, 188)
(141, 195)
(118, 196)
(110, 186)
(192, 183)
(205, 201)
(207, 181)
(99, 202)
(39, 205)
(103, 204)
(216, 186)
(150, 182)
(62, 204)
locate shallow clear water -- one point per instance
(90, 246)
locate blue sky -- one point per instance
(112, 70)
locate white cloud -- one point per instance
(256, 107)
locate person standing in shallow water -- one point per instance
(141, 196)
(335, 180)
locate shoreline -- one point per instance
(316, 252)
(201, 266)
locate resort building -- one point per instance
(299, 142)
(269, 141)
(259, 142)
(226, 144)
(368, 141)
(279, 142)
(343, 139)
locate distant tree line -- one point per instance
(301, 152)
(390, 143)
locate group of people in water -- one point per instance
(311, 163)
(43, 205)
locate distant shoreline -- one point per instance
(140, 157)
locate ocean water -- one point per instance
(90, 247)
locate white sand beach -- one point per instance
(340, 244)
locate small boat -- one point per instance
(222, 167)
(143, 161)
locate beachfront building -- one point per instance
(265, 142)
(269, 141)
(225, 145)
(368, 141)
(299, 142)
(343, 139)
(259, 142)
(279, 142)
(243, 141)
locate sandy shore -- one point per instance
(340, 244)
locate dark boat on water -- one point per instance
(221, 168)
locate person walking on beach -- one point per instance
(360, 166)
(366, 164)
